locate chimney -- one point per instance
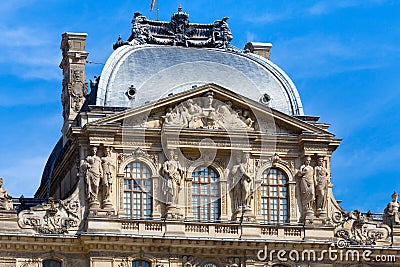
(261, 49)
(74, 84)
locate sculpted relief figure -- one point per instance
(391, 214)
(108, 176)
(77, 90)
(5, 198)
(321, 176)
(207, 113)
(172, 171)
(93, 174)
(306, 182)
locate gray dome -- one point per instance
(158, 71)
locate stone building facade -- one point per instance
(188, 151)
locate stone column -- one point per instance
(292, 202)
(156, 206)
(74, 84)
(224, 196)
(188, 198)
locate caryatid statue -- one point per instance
(5, 198)
(108, 167)
(93, 174)
(172, 171)
(321, 179)
(306, 181)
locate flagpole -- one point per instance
(156, 9)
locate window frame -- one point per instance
(51, 262)
(137, 188)
(212, 179)
(274, 193)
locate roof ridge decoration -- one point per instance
(178, 32)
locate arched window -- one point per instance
(51, 263)
(140, 264)
(205, 194)
(137, 190)
(274, 199)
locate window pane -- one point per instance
(274, 196)
(205, 194)
(137, 191)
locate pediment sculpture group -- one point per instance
(207, 112)
(314, 188)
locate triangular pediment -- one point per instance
(210, 107)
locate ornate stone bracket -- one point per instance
(356, 229)
(53, 217)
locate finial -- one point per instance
(180, 8)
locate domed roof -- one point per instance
(153, 65)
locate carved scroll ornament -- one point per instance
(52, 217)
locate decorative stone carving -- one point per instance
(93, 174)
(391, 214)
(356, 229)
(178, 32)
(30, 263)
(321, 176)
(207, 112)
(5, 198)
(77, 90)
(53, 217)
(108, 177)
(138, 152)
(306, 181)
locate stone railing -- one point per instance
(210, 230)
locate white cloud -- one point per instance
(22, 37)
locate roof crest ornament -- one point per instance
(178, 32)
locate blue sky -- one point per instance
(343, 57)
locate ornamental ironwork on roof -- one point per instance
(178, 32)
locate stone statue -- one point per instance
(5, 199)
(243, 184)
(93, 173)
(108, 176)
(195, 114)
(172, 171)
(321, 179)
(306, 181)
(391, 214)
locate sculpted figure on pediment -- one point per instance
(93, 174)
(175, 118)
(228, 118)
(207, 113)
(391, 214)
